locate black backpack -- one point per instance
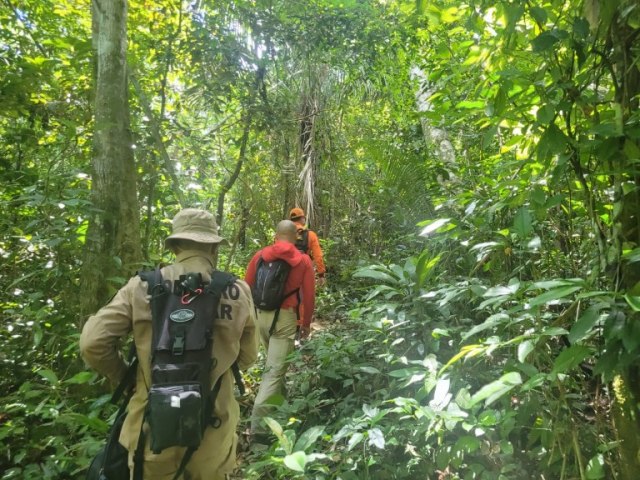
(302, 240)
(181, 398)
(268, 290)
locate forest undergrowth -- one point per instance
(403, 381)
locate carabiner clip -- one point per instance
(186, 300)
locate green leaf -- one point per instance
(582, 328)
(522, 223)
(275, 427)
(595, 467)
(296, 461)
(632, 256)
(425, 266)
(500, 290)
(553, 331)
(355, 439)
(37, 336)
(433, 226)
(506, 447)
(536, 381)
(499, 103)
(48, 375)
(514, 14)
(633, 301)
(308, 438)
(570, 358)
(368, 369)
(491, 322)
(538, 196)
(368, 272)
(545, 114)
(376, 438)
(549, 284)
(543, 42)
(581, 27)
(496, 389)
(471, 104)
(552, 142)
(553, 295)
(539, 14)
(524, 349)
(451, 15)
(80, 378)
(467, 443)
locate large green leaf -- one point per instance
(48, 375)
(553, 295)
(374, 274)
(502, 290)
(425, 265)
(491, 322)
(583, 327)
(570, 358)
(81, 377)
(309, 437)
(543, 42)
(633, 301)
(376, 438)
(496, 389)
(433, 226)
(632, 256)
(296, 461)
(523, 223)
(355, 439)
(524, 349)
(595, 468)
(551, 284)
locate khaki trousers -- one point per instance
(279, 346)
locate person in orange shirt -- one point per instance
(307, 242)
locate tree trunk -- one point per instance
(623, 37)
(113, 236)
(236, 172)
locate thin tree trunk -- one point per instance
(113, 236)
(169, 165)
(236, 172)
(626, 232)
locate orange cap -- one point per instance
(296, 213)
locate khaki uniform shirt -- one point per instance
(234, 338)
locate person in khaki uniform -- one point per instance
(194, 240)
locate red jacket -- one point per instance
(301, 275)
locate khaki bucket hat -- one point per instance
(196, 225)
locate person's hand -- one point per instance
(321, 281)
(304, 332)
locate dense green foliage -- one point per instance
(471, 168)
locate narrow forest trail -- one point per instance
(246, 453)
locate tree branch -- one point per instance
(155, 132)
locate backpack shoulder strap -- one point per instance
(159, 293)
(128, 380)
(220, 281)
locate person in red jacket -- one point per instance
(280, 343)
